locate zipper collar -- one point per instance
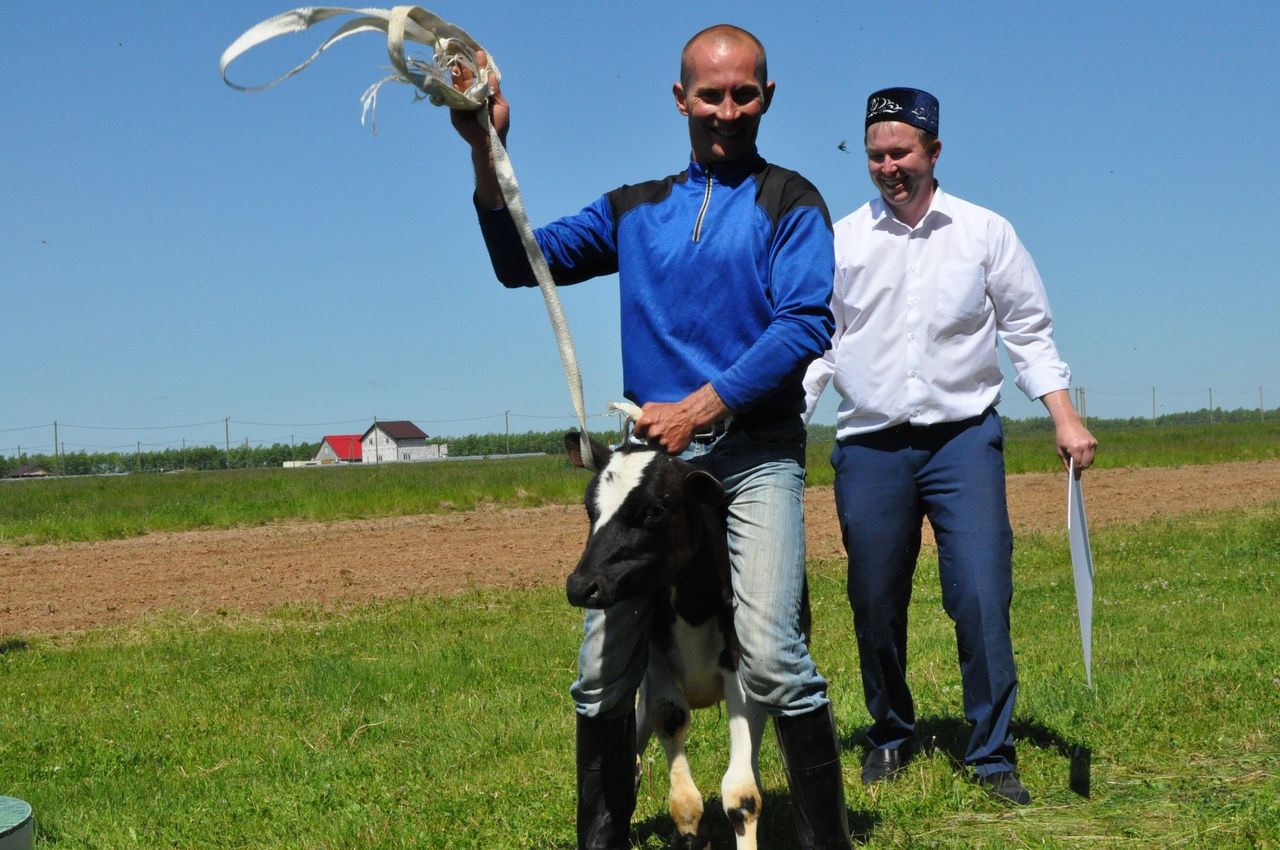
(730, 173)
(725, 171)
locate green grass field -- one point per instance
(445, 723)
(104, 508)
(436, 723)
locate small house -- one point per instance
(340, 448)
(398, 442)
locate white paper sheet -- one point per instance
(1082, 566)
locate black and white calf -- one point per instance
(658, 531)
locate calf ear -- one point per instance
(573, 447)
(703, 486)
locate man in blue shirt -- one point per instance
(724, 272)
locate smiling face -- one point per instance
(901, 166)
(723, 94)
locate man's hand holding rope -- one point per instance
(673, 424)
(467, 123)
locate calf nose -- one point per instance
(583, 592)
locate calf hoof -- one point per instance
(691, 841)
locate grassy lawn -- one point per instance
(436, 723)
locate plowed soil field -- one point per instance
(58, 588)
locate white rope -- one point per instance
(452, 48)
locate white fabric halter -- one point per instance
(452, 48)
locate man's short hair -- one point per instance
(926, 138)
(726, 33)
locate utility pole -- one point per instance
(226, 438)
(56, 464)
(137, 453)
(506, 419)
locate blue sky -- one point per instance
(174, 252)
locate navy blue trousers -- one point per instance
(886, 483)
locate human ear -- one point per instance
(682, 105)
(768, 96)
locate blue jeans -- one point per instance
(886, 483)
(763, 477)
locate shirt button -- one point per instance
(912, 373)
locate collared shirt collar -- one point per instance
(939, 204)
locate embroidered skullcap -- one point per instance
(910, 106)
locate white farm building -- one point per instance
(398, 442)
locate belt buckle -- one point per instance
(715, 429)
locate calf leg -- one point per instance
(644, 731)
(740, 788)
(667, 711)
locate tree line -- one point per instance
(487, 445)
(165, 460)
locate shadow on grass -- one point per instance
(950, 736)
(776, 829)
(13, 645)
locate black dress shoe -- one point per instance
(881, 764)
(1004, 786)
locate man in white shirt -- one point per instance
(924, 285)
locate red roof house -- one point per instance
(339, 447)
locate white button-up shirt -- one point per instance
(918, 311)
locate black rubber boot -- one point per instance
(606, 781)
(811, 756)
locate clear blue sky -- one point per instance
(175, 252)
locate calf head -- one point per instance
(648, 512)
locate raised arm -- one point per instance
(468, 125)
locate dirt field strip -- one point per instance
(58, 588)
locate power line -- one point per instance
(138, 427)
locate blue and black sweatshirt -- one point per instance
(724, 274)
